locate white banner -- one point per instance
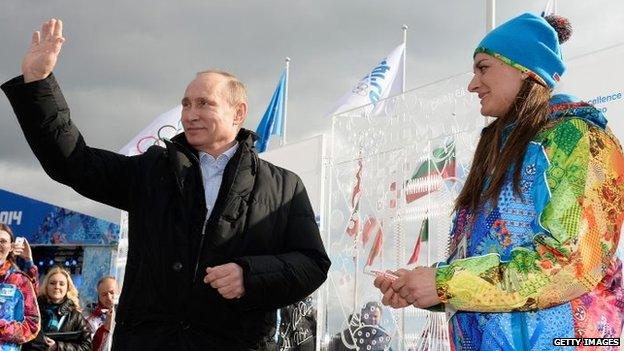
(385, 79)
(165, 126)
(597, 79)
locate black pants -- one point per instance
(172, 337)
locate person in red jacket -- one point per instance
(101, 318)
(19, 312)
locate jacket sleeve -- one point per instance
(43, 115)
(32, 272)
(580, 206)
(274, 281)
(100, 338)
(20, 332)
(84, 344)
(99, 332)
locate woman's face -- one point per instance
(496, 83)
(57, 288)
(5, 245)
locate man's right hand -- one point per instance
(44, 49)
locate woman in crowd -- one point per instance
(61, 319)
(19, 313)
(538, 220)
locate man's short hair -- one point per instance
(235, 91)
(103, 279)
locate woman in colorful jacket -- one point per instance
(61, 313)
(538, 220)
(19, 313)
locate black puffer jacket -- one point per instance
(262, 220)
(72, 322)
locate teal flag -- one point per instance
(273, 119)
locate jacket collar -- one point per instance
(183, 157)
(244, 136)
(564, 105)
(65, 307)
(6, 269)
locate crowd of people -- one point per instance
(48, 316)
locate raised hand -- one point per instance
(44, 49)
(23, 250)
(110, 319)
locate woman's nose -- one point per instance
(474, 84)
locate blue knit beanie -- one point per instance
(530, 44)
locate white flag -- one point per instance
(549, 9)
(386, 79)
(165, 126)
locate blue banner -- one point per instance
(42, 223)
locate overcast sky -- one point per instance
(125, 62)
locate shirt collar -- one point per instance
(227, 154)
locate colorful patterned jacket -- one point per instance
(543, 265)
(19, 312)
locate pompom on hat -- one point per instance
(531, 44)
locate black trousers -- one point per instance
(172, 337)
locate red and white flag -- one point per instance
(354, 221)
(423, 235)
(375, 250)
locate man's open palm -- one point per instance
(44, 49)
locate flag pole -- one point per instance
(402, 321)
(285, 103)
(404, 54)
(490, 15)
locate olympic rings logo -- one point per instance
(167, 131)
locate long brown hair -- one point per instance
(529, 113)
(6, 228)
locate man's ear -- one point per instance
(241, 113)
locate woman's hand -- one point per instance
(417, 287)
(390, 297)
(23, 250)
(52, 346)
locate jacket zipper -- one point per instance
(199, 250)
(203, 231)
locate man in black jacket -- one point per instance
(218, 238)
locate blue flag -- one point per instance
(273, 119)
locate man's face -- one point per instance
(209, 120)
(107, 292)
